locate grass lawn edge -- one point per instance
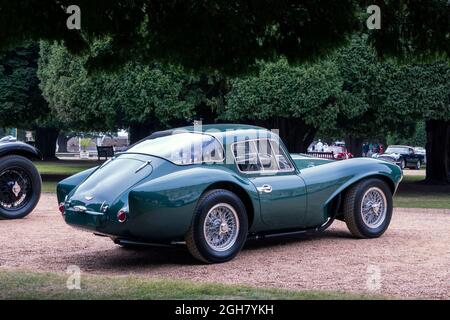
(53, 285)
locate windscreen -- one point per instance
(396, 150)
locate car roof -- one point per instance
(221, 127)
(225, 132)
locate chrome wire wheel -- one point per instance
(373, 207)
(221, 227)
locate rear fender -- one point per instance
(68, 185)
(20, 149)
(163, 207)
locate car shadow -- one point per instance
(146, 258)
(122, 259)
(276, 241)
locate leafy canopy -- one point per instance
(21, 102)
(227, 35)
(104, 101)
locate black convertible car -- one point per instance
(403, 156)
(20, 182)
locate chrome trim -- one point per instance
(265, 188)
(146, 163)
(104, 207)
(79, 208)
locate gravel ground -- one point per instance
(412, 259)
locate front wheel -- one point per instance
(368, 208)
(402, 164)
(20, 187)
(219, 227)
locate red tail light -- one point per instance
(122, 216)
(61, 207)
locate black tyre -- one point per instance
(368, 208)
(402, 164)
(20, 187)
(219, 227)
(418, 165)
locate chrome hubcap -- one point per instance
(373, 207)
(15, 189)
(221, 227)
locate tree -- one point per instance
(412, 29)
(229, 36)
(143, 98)
(296, 100)
(21, 101)
(423, 92)
(418, 138)
(367, 82)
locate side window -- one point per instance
(212, 151)
(284, 164)
(266, 156)
(261, 155)
(246, 156)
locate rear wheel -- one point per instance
(20, 187)
(368, 208)
(402, 164)
(219, 227)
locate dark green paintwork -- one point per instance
(161, 198)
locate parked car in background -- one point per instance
(8, 139)
(421, 152)
(215, 187)
(20, 182)
(403, 156)
(340, 152)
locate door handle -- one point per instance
(265, 188)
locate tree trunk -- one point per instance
(354, 146)
(438, 151)
(295, 133)
(140, 131)
(46, 142)
(62, 142)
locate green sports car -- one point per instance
(213, 187)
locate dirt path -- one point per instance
(411, 260)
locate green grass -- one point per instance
(63, 167)
(432, 201)
(49, 186)
(33, 285)
(409, 179)
(413, 194)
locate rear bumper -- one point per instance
(147, 228)
(89, 221)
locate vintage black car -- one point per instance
(20, 182)
(403, 156)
